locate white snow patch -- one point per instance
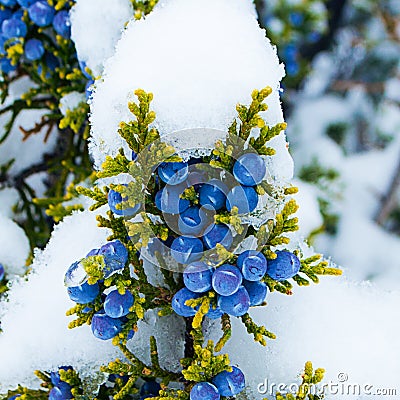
(96, 26)
(340, 326)
(210, 58)
(35, 329)
(14, 249)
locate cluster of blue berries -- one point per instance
(238, 287)
(225, 384)
(19, 22)
(195, 227)
(110, 319)
(61, 390)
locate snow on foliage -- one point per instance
(198, 68)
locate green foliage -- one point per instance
(337, 132)
(27, 394)
(226, 328)
(327, 181)
(114, 166)
(259, 332)
(137, 133)
(314, 266)
(191, 195)
(205, 364)
(284, 222)
(96, 194)
(76, 119)
(315, 173)
(310, 379)
(134, 369)
(225, 155)
(143, 7)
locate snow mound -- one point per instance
(35, 329)
(96, 26)
(328, 325)
(199, 58)
(14, 249)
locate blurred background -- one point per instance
(341, 98)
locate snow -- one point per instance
(71, 101)
(360, 246)
(14, 249)
(96, 26)
(212, 57)
(328, 325)
(366, 177)
(170, 351)
(35, 329)
(308, 214)
(31, 151)
(8, 198)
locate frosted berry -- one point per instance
(61, 24)
(105, 327)
(253, 265)
(257, 292)
(249, 169)
(34, 49)
(83, 294)
(219, 233)
(226, 280)
(115, 257)
(168, 199)
(204, 391)
(214, 313)
(186, 249)
(55, 375)
(61, 390)
(194, 221)
(237, 304)
(245, 198)
(178, 302)
(117, 305)
(285, 266)
(197, 277)
(230, 383)
(5, 65)
(212, 195)
(76, 274)
(57, 393)
(296, 18)
(13, 28)
(114, 202)
(173, 173)
(41, 13)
